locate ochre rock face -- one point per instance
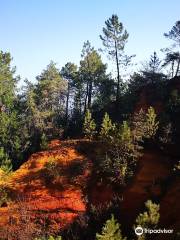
(148, 96)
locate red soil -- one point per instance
(61, 200)
(153, 167)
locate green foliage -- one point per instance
(47, 99)
(89, 125)
(124, 144)
(121, 155)
(92, 72)
(49, 238)
(139, 125)
(116, 168)
(4, 197)
(44, 142)
(107, 128)
(111, 231)
(52, 168)
(69, 73)
(5, 162)
(173, 57)
(7, 81)
(144, 125)
(148, 219)
(151, 123)
(11, 137)
(114, 39)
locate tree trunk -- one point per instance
(67, 103)
(90, 94)
(178, 65)
(85, 103)
(172, 69)
(118, 76)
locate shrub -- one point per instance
(124, 144)
(148, 219)
(107, 128)
(139, 125)
(89, 125)
(151, 123)
(110, 231)
(144, 125)
(44, 142)
(52, 168)
(116, 168)
(166, 134)
(4, 197)
(120, 159)
(49, 238)
(5, 162)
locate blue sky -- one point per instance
(37, 31)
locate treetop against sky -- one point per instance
(36, 32)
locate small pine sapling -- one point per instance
(111, 231)
(107, 128)
(89, 126)
(151, 123)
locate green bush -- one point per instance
(107, 129)
(111, 231)
(148, 219)
(151, 123)
(44, 142)
(5, 162)
(89, 126)
(52, 168)
(4, 198)
(122, 152)
(49, 238)
(144, 124)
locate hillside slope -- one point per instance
(60, 200)
(55, 203)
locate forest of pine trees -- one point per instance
(86, 101)
(56, 104)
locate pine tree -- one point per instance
(111, 231)
(89, 125)
(123, 141)
(114, 39)
(139, 125)
(107, 128)
(49, 98)
(121, 155)
(148, 219)
(154, 63)
(151, 123)
(92, 71)
(174, 34)
(69, 72)
(10, 129)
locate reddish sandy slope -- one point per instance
(60, 200)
